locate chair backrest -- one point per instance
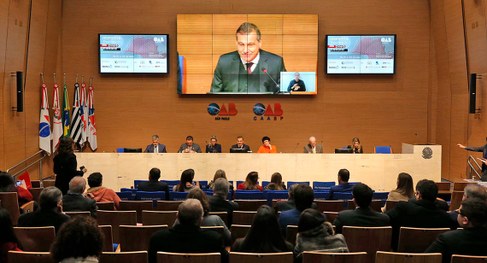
(156, 195)
(29, 257)
(383, 149)
(291, 232)
(158, 217)
(330, 205)
(456, 200)
(73, 214)
(391, 204)
(10, 202)
(460, 186)
(137, 206)
(115, 219)
(36, 192)
(178, 195)
(468, 259)
(48, 182)
(379, 237)
(108, 237)
(27, 207)
(239, 231)
(250, 205)
(290, 183)
(375, 204)
(342, 196)
(243, 217)
(249, 195)
(328, 257)
(136, 238)
(38, 239)
(223, 215)
(417, 240)
(105, 205)
(163, 257)
(276, 194)
(126, 195)
(118, 257)
(281, 257)
(322, 194)
(138, 181)
(35, 183)
(323, 185)
(395, 257)
(443, 186)
(168, 205)
(330, 216)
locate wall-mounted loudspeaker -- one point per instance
(472, 91)
(20, 91)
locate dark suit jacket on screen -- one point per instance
(231, 76)
(160, 149)
(360, 217)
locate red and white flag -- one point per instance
(44, 122)
(84, 113)
(57, 122)
(91, 130)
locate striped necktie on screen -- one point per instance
(249, 67)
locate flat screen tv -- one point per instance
(133, 53)
(360, 54)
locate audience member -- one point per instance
(343, 185)
(362, 215)
(189, 146)
(404, 190)
(78, 241)
(289, 204)
(75, 201)
(219, 203)
(65, 164)
(213, 146)
(154, 185)
(7, 184)
(303, 198)
(251, 182)
(218, 174)
(209, 220)
(187, 236)
(470, 191)
(419, 212)
(186, 182)
(276, 182)
(263, 235)
(314, 233)
(50, 212)
(266, 146)
(8, 240)
(100, 193)
(472, 217)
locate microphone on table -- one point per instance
(277, 85)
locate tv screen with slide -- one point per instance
(133, 53)
(360, 54)
(247, 54)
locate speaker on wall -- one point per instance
(20, 91)
(472, 90)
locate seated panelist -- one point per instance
(240, 147)
(155, 146)
(213, 146)
(266, 146)
(189, 146)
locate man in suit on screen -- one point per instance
(249, 69)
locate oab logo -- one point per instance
(222, 113)
(268, 113)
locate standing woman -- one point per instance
(65, 164)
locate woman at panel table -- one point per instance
(266, 146)
(356, 146)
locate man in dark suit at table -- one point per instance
(249, 69)
(155, 146)
(363, 215)
(343, 185)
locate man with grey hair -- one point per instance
(219, 203)
(312, 146)
(155, 146)
(187, 236)
(74, 199)
(50, 212)
(470, 191)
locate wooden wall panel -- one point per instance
(4, 7)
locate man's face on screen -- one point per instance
(248, 46)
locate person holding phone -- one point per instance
(65, 164)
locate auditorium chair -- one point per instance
(38, 239)
(108, 237)
(223, 215)
(460, 186)
(243, 217)
(126, 195)
(376, 205)
(27, 207)
(122, 257)
(322, 185)
(29, 257)
(48, 182)
(178, 195)
(169, 257)
(137, 206)
(170, 183)
(138, 181)
(271, 195)
(291, 232)
(391, 204)
(281, 257)
(342, 196)
(249, 195)
(115, 219)
(384, 149)
(203, 184)
(330, 205)
(105, 205)
(250, 205)
(158, 217)
(145, 195)
(36, 192)
(239, 231)
(368, 239)
(330, 216)
(265, 183)
(455, 258)
(322, 194)
(417, 240)
(168, 205)
(380, 195)
(218, 229)
(10, 202)
(290, 183)
(329, 257)
(456, 200)
(35, 183)
(74, 214)
(396, 257)
(136, 238)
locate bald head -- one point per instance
(312, 141)
(190, 212)
(77, 185)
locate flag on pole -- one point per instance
(44, 122)
(76, 123)
(91, 130)
(57, 122)
(66, 120)
(83, 113)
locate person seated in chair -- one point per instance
(154, 185)
(343, 185)
(75, 201)
(100, 193)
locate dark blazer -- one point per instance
(161, 148)
(151, 186)
(65, 168)
(214, 149)
(469, 241)
(184, 146)
(360, 217)
(345, 187)
(236, 149)
(231, 76)
(43, 217)
(186, 239)
(302, 86)
(218, 204)
(77, 202)
(309, 149)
